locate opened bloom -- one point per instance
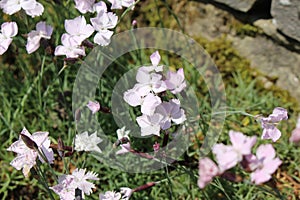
(175, 81)
(27, 153)
(8, 30)
(264, 164)
(150, 125)
(85, 6)
(42, 31)
(170, 111)
(71, 48)
(295, 137)
(31, 7)
(118, 4)
(229, 155)
(79, 179)
(207, 171)
(78, 29)
(93, 106)
(86, 142)
(110, 195)
(123, 136)
(269, 123)
(102, 23)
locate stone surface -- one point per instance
(287, 16)
(241, 5)
(270, 29)
(273, 60)
(263, 50)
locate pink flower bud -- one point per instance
(156, 147)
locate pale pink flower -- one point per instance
(101, 23)
(170, 111)
(150, 125)
(65, 187)
(100, 6)
(36, 11)
(71, 48)
(84, 6)
(269, 124)
(110, 195)
(93, 106)
(150, 102)
(175, 81)
(42, 31)
(207, 171)
(125, 148)
(26, 157)
(134, 22)
(31, 7)
(156, 147)
(295, 137)
(118, 4)
(265, 164)
(150, 81)
(78, 29)
(228, 156)
(155, 59)
(8, 30)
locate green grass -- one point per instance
(35, 95)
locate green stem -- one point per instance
(44, 182)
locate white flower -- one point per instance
(126, 193)
(110, 195)
(80, 179)
(122, 133)
(68, 183)
(84, 142)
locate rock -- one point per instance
(270, 29)
(272, 59)
(241, 5)
(287, 17)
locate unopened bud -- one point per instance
(29, 142)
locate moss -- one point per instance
(247, 30)
(228, 60)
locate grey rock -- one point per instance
(287, 17)
(270, 29)
(264, 53)
(241, 5)
(272, 59)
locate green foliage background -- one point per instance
(36, 90)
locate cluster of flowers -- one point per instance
(156, 114)
(77, 29)
(262, 166)
(29, 147)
